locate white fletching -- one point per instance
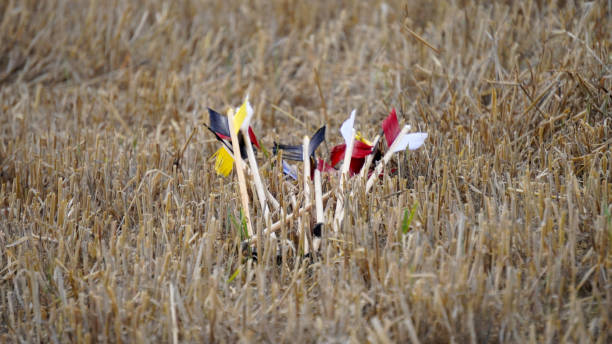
(347, 127)
(411, 141)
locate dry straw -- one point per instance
(105, 236)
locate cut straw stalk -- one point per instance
(386, 158)
(272, 200)
(339, 214)
(173, 316)
(239, 170)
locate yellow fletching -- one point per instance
(240, 116)
(358, 137)
(224, 162)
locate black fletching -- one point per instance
(316, 140)
(243, 148)
(295, 152)
(289, 152)
(317, 229)
(218, 123)
(225, 143)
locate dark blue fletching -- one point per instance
(316, 140)
(295, 152)
(222, 140)
(218, 122)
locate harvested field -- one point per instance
(115, 227)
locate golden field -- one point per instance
(114, 226)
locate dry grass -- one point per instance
(107, 236)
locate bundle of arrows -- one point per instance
(356, 157)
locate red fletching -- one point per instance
(391, 127)
(361, 150)
(337, 154)
(223, 136)
(356, 165)
(324, 167)
(253, 138)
